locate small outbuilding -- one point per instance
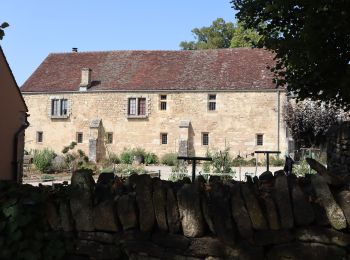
(13, 117)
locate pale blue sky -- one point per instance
(39, 27)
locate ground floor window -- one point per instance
(164, 138)
(39, 137)
(259, 139)
(205, 138)
(79, 137)
(109, 137)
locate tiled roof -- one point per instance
(221, 69)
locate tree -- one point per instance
(2, 27)
(311, 40)
(244, 37)
(309, 121)
(221, 34)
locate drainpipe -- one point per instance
(15, 146)
(278, 119)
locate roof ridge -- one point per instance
(109, 51)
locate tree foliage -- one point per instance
(309, 121)
(221, 34)
(311, 40)
(2, 27)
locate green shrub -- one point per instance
(206, 167)
(240, 161)
(127, 156)
(302, 168)
(150, 158)
(127, 169)
(276, 161)
(222, 161)
(113, 158)
(169, 159)
(178, 171)
(42, 159)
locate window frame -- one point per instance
(257, 141)
(139, 107)
(205, 142)
(163, 136)
(212, 102)
(39, 137)
(163, 102)
(108, 139)
(59, 107)
(78, 136)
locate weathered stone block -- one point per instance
(190, 211)
(205, 246)
(240, 213)
(167, 240)
(126, 209)
(144, 202)
(334, 212)
(271, 212)
(323, 235)
(272, 237)
(172, 212)
(343, 198)
(310, 251)
(160, 203)
(283, 202)
(302, 209)
(253, 207)
(66, 216)
(220, 213)
(105, 216)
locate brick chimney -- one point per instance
(74, 49)
(85, 81)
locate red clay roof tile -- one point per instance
(221, 69)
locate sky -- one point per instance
(40, 27)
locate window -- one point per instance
(162, 102)
(142, 107)
(212, 102)
(164, 138)
(132, 106)
(137, 107)
(259, 139)
(79, 137)
(39, 137)
(109, 138)
(205, 138)
(59, 107)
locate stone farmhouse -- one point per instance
(162, 101)
(13, 113)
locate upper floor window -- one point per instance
(163, 103)
(59, 107)
(212, 102)
(137, 106)
(259, 139)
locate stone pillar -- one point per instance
(183, 142)
(338, 149)
(96, 141)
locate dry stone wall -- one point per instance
(273, 217)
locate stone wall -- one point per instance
(239, 116)
(338, 149)
(273, 217)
